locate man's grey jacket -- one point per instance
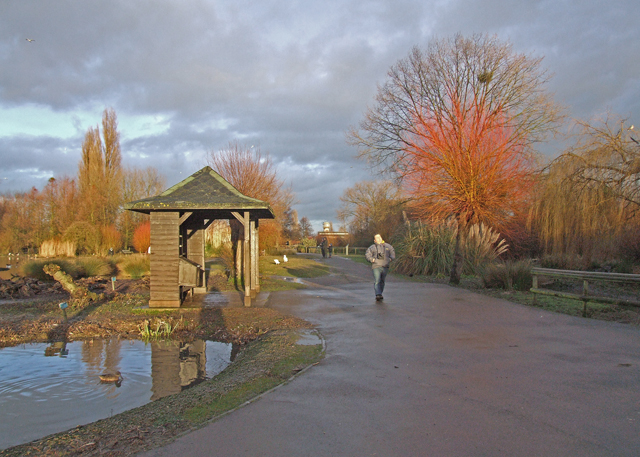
(380, 255)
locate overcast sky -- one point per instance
(188, 77)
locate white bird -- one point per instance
(285, 258)
(29, 40)
(276, 261)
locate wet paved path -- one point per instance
(439, 371)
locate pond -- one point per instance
(49, 388)
(9, 264)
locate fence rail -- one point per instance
(585, 276)
(338, 250)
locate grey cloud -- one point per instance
(289, 76)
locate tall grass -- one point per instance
(134, 266)
(509, 275)
(78, 267)
(482, 246)
(94, 266)
(425, 249)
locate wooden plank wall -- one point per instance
(164, 287)
(195, 252)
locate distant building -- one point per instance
(334, 238)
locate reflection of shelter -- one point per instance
(177, 366)
(179, 217)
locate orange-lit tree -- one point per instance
(142, 237)
(100, 172)
(457, 124)
(473, 169)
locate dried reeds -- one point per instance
(57, 248)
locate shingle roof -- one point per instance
(203, 190)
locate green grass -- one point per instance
(219, 404)
(298, 266)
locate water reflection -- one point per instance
(47, 388)
(9, 264)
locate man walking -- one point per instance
(380, 254)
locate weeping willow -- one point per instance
(577, 212)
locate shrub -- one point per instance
(507, 275)
(281, 250)
(225, 252)
(309, 242)
(562, 262)
(135, 266)
(85, 236)
(33, 268)
(425, 250)
(142, 237)
(111, 239)
(94, 266)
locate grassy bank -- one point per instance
(595, 310)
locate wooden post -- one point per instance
(247, 260)
(535, 286)
(252, 263)
(585, 294)
(195, 252)
(257, 255)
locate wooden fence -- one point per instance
(585, 277)
(338, 250)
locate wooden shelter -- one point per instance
(179, 217)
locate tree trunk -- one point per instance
(458, 260)
(76, 292)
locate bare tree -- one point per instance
(254, 175)
(305, 227)
(371, 207)
(607, 155)
(138, 184)
(446, 115)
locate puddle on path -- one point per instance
(48, 388)
(309, 338)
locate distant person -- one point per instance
(323, 247)
(380, 254)
(330, 249)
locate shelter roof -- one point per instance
(205, 190)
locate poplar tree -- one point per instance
(100, 172)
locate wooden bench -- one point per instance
(585, 276)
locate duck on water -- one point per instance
(108, 378)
